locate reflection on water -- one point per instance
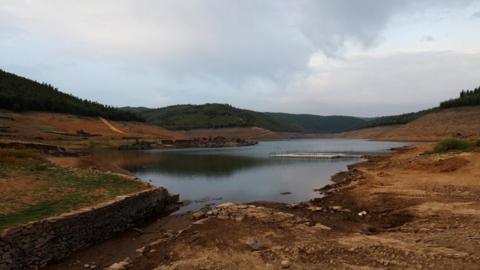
(260, 172)
(187, 165)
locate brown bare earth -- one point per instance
(409, 210)
(404, 211)
(455, 122)
(61, 129)
(79, 133)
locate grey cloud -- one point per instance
(428, 38)
(329, 24)
(201, 50)
(386, 84)
(229, 39)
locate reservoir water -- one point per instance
(283, 171)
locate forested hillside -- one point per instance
(186, 117)
(22, 94)
(309, 123)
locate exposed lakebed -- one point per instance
(283, 171)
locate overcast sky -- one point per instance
(365, 58)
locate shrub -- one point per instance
(451, 145)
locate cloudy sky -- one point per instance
(365, 58)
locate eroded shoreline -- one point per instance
(403, 210)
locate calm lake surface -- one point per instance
(244, 174)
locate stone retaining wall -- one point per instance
(34, 245)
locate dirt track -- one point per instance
(421, 212)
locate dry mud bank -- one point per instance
(404, 211)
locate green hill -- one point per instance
(22, 94)
(185, 117)
(309, 123)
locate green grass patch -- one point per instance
(52, 190)
(450, 145)
(34, 212)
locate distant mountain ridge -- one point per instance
(21, 94)
(310, 123)
(187, 117)
(214, 115)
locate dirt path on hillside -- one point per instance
(110, 126)
(405, 211)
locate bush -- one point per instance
(451, 145)
(477, 144)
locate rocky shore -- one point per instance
(406, 210)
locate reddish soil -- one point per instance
(61, 129)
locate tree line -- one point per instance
(22, 94)
(466, 98)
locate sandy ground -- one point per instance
(405, 211)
